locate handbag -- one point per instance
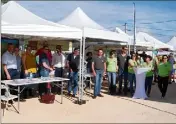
(48, 98)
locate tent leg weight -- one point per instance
(81, 102)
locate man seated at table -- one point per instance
(58, 63)
(73, 64)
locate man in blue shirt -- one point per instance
(10, 63)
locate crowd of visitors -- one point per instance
(26, 66)
(119, 69)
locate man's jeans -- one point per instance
(43, 86)
(73, 82)
(123, 76)
(112, 81)
(98, 82)
(112, 78)
(148, 84)
(58, 73)
(14, 74)
(132, 79)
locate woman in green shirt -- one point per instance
(112, 69)
(131, 75)
(149, 74)
(164, 69)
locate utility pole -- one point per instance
(125, 27)
(134, 44)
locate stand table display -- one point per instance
(25, 82)
(140, 83)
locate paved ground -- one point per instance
(112, 109)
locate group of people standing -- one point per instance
(18, 66)
(121, 68)
(116, 67)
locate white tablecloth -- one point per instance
(140, 83)
(20, 82)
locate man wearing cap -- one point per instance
(73, 64)
(58, 62)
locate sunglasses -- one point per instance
(164, 58)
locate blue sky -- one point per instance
(110, 14)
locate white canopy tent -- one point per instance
(19, 21)
(141, 36)
(41, 30)
(90, 28)
(172, 42)
(139, 44)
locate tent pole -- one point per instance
(80, 73)
(83, 66)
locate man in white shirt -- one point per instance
(58, 62)
(9, 62)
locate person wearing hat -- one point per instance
(73, 61)
(58, 62)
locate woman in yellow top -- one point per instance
(30, 68)
(131, 75)
(29, 63)
(112, 72)
(164, 69)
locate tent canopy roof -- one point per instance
(172, 42)
(19, 20)
(90, 28)
(144, 37)
(79, 19)
(40, 30)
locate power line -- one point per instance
(155, 28)
(158, 22)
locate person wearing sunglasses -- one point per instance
(45, 69)
(131, 75)
(164, 69)
(122, 63)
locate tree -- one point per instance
(4, 1)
